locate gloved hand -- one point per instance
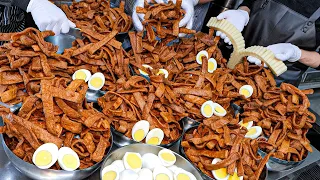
(187, 5)
(282, 51)
(239, 18)
(47, 16)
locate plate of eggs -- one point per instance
(147, 162)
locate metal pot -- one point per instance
(143, 149)
(34, 172)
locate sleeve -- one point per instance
(23, 4)
(247, 3)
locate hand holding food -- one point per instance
(138, 18)
(282, 51)
(239, 18)
(47, 16)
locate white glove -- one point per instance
(47, 16)
(239, 18)
(282, 51)
(187, 5)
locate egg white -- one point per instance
(66, 150)
(156, 132)
(165, 162)
(163, 71)
(111, 168)
(87, 72)
(250, 123)
(129, 174)
(221, 114)
(147, 66)
(125, 161)
(52, 149)
(248, 88)
(212, 60)
(255, 135)
(145, 174)
(144, 125)
(182, 171)
(97, 75)
(150, 161)
(162, 170)
(119, 164)
(200, 54)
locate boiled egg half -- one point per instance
(155, 137)
(247, 125)
(96, 81)
(45, 156)
(167, 157)
(209, 108)
(246, 91)
(212, 65)
(181, 174)
(140, 130)
(162, 173)
(219, 174)
(110, 173)
(82, 74)
(163, 71)
(132, 161)
(254, 132)
(68, 159)
(200, 55)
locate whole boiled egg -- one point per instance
(150, 161)
(155, 137)
(209, 108)
(212, 65)
(82, 74)
(110, 172)
(163, 71)
(219, 174)
(173, 168)
(140, 130)
(132, 161)
(181, 174)
(254, 132)
(96, 81)
(167, 157)
(247, 125)
(45, 156)
(119, 164)
(200, 55)
(145, 174)
(129, 174)
(68, 159)
(162, 173)
(246, 91)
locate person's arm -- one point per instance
(23, 4)
(310, 58)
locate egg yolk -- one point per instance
(110, 175)
(161, 72)
(96, 82)
(207, 110)
(43, 158)
(139, 135)
(221, 173)
(183, 177)
(211, 66)
(134, 161)
(219, 109)
(162, 176)
(251, 131)
(168, 157)
(245, 92)
(70, 161)
(80, 75)
(234, 177)
(201, 56)
(153, 141)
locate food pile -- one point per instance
(148, 166)
(54, 109)
(98, 14)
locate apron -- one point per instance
(12, 19)
(272, 22)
